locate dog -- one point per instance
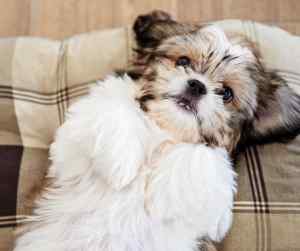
(144, 162)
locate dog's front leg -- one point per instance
(106, 134)
(122, 134)
(195, 185)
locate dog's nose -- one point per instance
(196, 88)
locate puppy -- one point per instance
(143, 163)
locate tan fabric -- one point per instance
(40, 78)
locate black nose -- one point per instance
(196, 88)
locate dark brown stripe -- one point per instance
(250, 179)
(41, 102)
(269, 205)
(55, 93)
(260, 216)
(267, 227)
(10, 159)
(68, 96)
(58, 85)
(279, 211)
(8, 225)
(255, 178)
(261, 176)
(45, 99)
(61, 98)
(253, 190)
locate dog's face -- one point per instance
(205, 86)
(201, 86)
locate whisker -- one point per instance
(218, 64)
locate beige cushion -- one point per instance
(39, 79)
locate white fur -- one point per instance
(113, 191)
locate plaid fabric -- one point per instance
(40, 78)
(38, 81)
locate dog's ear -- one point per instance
(150, 29)
(277, 117)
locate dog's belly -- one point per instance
(119, 223)
(166, 212)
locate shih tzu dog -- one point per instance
(143, 163)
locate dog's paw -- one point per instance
(223, 189)
(222, 226)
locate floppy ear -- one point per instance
(277, 117)
(150, 29)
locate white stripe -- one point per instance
(12, 217)
(270, 203)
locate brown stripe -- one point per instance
(61, 78)
(59, 109)
(55, 93)
(10, 159)
(250, 178)
(261, 176)
(266, 217)
(269, 204)
(8, 225)
(254, 198)
(13, 93)
(68, 96)
(279, 211)
(259, 218)
(42, 103)
(255, 178)
(270, 208)
(8, 222)
(265, 224)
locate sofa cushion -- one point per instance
(40, 78)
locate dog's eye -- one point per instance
(183, 61)
(227, 94)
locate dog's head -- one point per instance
(203, 85)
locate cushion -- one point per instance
(40, 78)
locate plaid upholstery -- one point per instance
(40, 78)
